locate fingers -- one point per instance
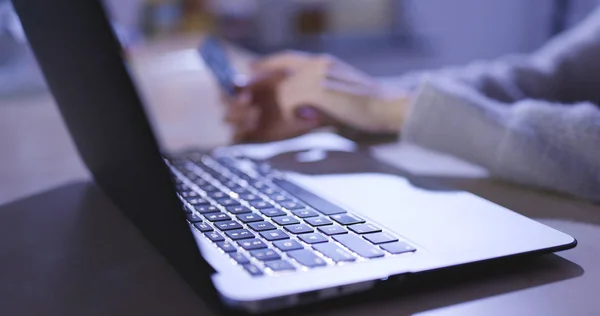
(290, 60)
(264, 128)
(302, 87)
(245, 128)
(271, 105)
(350, 88)
(278, 130)
(267, 78)
(238, 106)
(339, 70)
(311, 84)
(254, 105)
(264, 80)
(337, 101)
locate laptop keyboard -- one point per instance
(265, 228)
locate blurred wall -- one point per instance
(462, 30)
(358, 15)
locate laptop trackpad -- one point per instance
(456, 223)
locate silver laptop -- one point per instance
(249, 234)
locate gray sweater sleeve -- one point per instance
(528, 119)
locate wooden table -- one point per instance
(68, 251)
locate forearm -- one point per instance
(531, 142)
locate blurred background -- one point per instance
(382, 37)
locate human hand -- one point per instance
(255, 115)
(291, 93)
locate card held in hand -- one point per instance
(215, 57)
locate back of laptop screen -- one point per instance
(81, 60)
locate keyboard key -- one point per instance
(397, 247)
(267, 190)
(292, 205)
(208, 187)
(200, 182)
(318, 221)
(238, 209)
(364, 228)
(203, 227)
(332, 230)
(185, 192)
(380, 238)
(259, 184)
(265, 254)
(192, 176)
(214, 236)
(280, 198)
(261, 204)
(359, 246)
(228, 225)
(222, 178)
(182, 187)
(252, 244)
(253, 270)
(218, 195)
(207, 209)
(209, 168)
(227, 246)
(287, 245)
(239, 190)
(272, 235)
(307, 258)
(347, 219)
(334, 252)
(239, 258)
(304, 213)
(286, 220)
(316, 202)
(249, 218)
(261, 226)
(243, 176)
(189, 194)
(273, 212)
(193, 217)
(231, 185)
(229, 202)
(279, 265)
(198, 201)
(249, 197)
(298, 229)
(217, 217)
(239, 234)
(312, 238)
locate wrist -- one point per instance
(389, 108)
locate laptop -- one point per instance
(241, 232)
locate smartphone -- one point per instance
(215, 57)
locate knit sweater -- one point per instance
(531, 119)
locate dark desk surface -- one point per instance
(68, 251)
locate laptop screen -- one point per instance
(81, 60)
